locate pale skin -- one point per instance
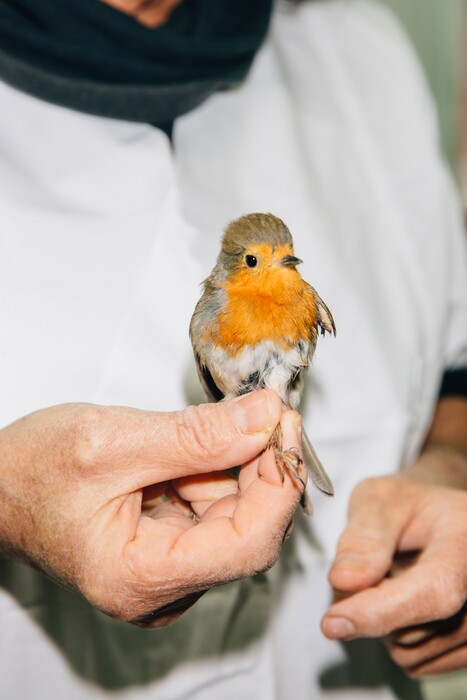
(413, 525)
(150, 13)
(80, 499)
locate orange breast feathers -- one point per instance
(276, 304)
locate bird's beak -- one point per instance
(290, 261)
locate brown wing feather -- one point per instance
(212, 391)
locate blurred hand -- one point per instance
(131, 507)
(400, 570)
(151, 13)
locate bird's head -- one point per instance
(257, 250)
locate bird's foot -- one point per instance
(286, 460)
(289, 460)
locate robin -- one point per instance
(256, 325)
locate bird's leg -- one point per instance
(285, 459)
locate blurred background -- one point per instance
(438, 29)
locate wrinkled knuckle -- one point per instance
(90, 437)
(196, 434)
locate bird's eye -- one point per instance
(251, 261)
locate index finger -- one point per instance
(434, 588)
(366, 548)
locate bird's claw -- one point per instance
(289, 460)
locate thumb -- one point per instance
(219, 436)
(155, 447)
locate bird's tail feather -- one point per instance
(316, 470)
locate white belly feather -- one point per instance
(259, 366)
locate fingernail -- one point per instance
(338, 628)
(252, 413)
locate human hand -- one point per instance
(400, 569)
(151, 13)
(110, 500)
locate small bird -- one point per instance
(256, 326)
